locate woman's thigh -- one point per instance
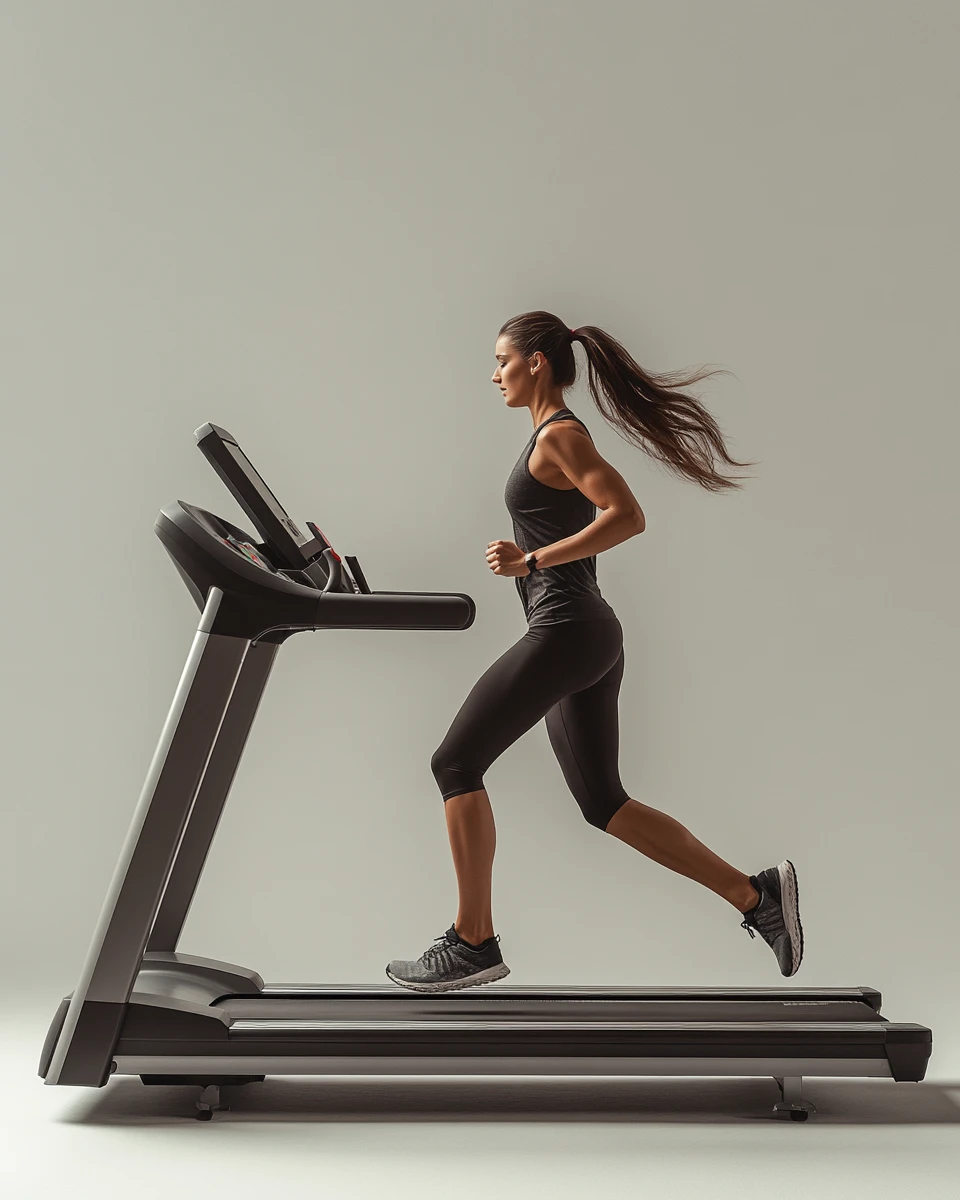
(584, 731)
(518, 690)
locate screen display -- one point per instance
(250, 471)
(250, 491)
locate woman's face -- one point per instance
(513, 375)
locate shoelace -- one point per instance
(440, 944)
(765, 926)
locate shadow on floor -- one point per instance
(685, 1100)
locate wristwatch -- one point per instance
(531, 561)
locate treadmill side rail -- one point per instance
(242, 1066)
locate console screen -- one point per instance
(250, 471)
(278, 531)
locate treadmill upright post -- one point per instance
(211, 798)
(85, 1044)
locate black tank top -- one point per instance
(542, 515)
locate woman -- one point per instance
(568, 665)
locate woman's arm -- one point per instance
(567, 446)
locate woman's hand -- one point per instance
(506, 558)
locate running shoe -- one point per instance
(777, 917)
(451, 963)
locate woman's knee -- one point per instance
(453, 776)
(600, 811)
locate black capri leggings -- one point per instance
(569, 673)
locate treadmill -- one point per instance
(142, 1007)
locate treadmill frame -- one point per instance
(133, 972)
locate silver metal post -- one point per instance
(191, 854)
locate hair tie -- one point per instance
(573, 333)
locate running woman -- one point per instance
(567, 667)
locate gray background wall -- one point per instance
(307, 222)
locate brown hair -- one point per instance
(648, 410)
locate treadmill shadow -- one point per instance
(495, 1099)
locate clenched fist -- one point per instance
(506, 558)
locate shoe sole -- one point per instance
(790, 904)
(500, 971)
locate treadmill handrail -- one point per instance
(259, 601)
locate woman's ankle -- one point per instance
(745, 898)
(473, 935)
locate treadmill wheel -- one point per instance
(795, 1115)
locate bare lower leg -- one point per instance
(473, 840)
(671, 844)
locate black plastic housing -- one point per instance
(263, 604)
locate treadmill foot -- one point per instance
(209, 1102)
(791, 1099)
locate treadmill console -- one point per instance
(311, 560)
(248, 550)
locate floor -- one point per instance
(471, 1137)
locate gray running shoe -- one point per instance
(449, 964)
(777, 917)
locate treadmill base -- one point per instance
(791, 1099)
(223, 1066)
